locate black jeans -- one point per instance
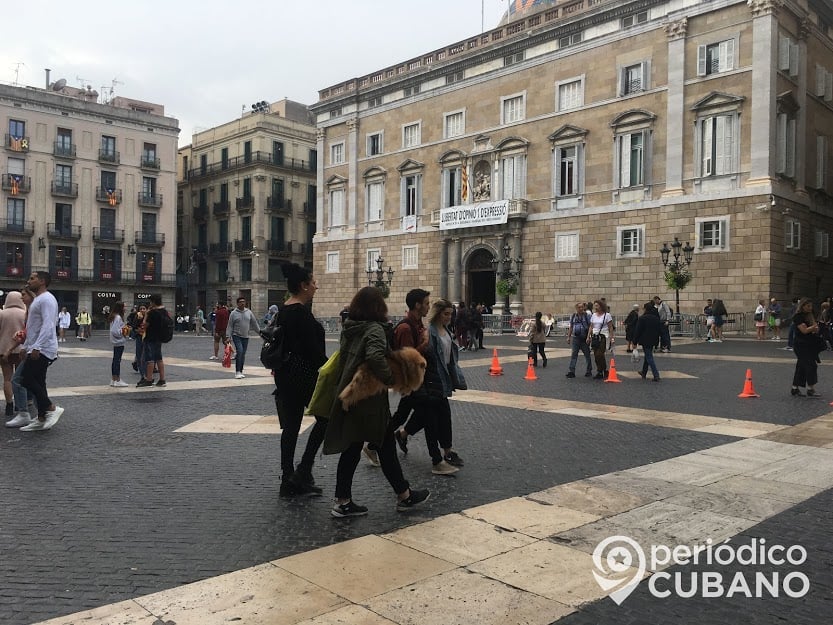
(431, 414)
(349, 460)
(806, 366)
(538, 348)
(290, 414)
(34, 380)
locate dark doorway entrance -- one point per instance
(481, 280)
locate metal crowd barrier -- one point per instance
(734, 323)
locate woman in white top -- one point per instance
(64, 320)
(601, 331)
(117, 338)
(760, 320)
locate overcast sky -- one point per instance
(204, 59)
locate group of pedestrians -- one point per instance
(28, 346)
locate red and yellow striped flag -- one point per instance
(464, 192)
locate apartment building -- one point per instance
(89, 195)
(247, 193)
(579, 137)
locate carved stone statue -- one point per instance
(482, 188)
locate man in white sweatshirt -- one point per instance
(41, 348)
(241, 321)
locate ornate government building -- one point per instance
(578, 137)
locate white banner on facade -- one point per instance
(409, 223)
(471, 215)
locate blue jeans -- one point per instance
(21, 395)
(241, 343)
(115, 367)
(649, 361)
(580, 343)
(664, 336)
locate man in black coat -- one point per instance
(646, 334)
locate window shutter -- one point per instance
(418, 195)
(708, 146)
(724, 233)
(821, 75)
(625, 161)
(623, 81)
(727, 55)
(790, 165)
(794, 52)
(646, 75)
(701, 60)
(821, 161)
(520, 176)
(783, 53)
(781, 141)
(828, 87)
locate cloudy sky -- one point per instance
(204, 59)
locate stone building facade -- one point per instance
(597, 130)
(89, 191)
(247, 193)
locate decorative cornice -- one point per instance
(805, 27)
(320, 134)
(678, 29)
(764, 7)
(352, 124)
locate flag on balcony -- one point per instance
(18, 144)
(464, 192)
(111, 197)
(15, 185)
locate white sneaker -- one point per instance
(112, 383)
(239, 376)
(34, 425)
(213, 358)
(20, 419)
(119, 384)
(52, 417)
(443, 468)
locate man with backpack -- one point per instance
(159, 328)
(665, 316)
(577, 338)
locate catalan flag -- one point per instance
(111, 197)
(15, 185)
(464, 192)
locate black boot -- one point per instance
(9, 410)
(303, 483)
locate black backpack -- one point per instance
(272, 353)
(167, 328)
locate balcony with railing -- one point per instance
(108, 235)
(149, 162)
(109, 157)
(306, 250)
(149, 239)
(16, 144)
(16, 184)
(112, 197)
(219, 249)
(278, 204)
(16, 227)
(201, 212)
(309, 209)
(244, 246)
(276, 247)
(245, 204)
(61, 149)
(150, 200)
(60, 231)
(222, 208)
(64, 188)
(252, 160)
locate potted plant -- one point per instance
(679, 279)
(506, 287)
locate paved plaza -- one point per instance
(160, 506)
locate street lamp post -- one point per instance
(376, 277)
(509, 277)
(677, 268)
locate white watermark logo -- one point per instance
(620, 563)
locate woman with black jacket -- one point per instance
(646, 333)
(303, 343)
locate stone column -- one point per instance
(676, 108)
(764, 76)
(497, 309)
(352, 173)
(516, 301)
(456, 271)
(320, 135)
(444, 286)
(804, 27)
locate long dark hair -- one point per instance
(295, 276)
(368, 305)
(117, 309)
(539, 325)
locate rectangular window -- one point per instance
(247, 188)
(246, 228)
(372, 255)
(224, 158)
(374, 144)
(569, 40)
(277, 230)
(108, 261)
(716, 58)
(337, 154)
(247, 151)
(223, 232)
(570, 95)
(107, 222)
(63, 143)
(567, 171)
(222, 271)
(17, 166)
(633, 79)
(566, 246)
(17, 129)
(149, 189)
(821, 162)
(149, 264)
(409, 91)
(411, 135)
(337, 207)
(63, 176)
(332, 262)
(785, 145)
(375, 201)
(277, 152)
(452, 187)
(455, 124)
(717, 145)
(63, 219)
(410, 257)
(411, 192)
(15, 255)
(822, 244)
(63, 261)
(632, 20)
(224, 193)
(792, 234)
(149, 227)
(513, 177)
(15, 214)
(149, 153)
(512, 59)
(450, 79)
(512, 109)
(277, 193)
(246, 269)
(631, 160)
(631, 241)
(712, 233)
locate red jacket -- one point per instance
(221, 320)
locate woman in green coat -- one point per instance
(365, 338)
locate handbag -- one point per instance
(324, 394)
(227, 356)
(596, 341)
(759, 316)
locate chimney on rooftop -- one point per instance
(47, 70)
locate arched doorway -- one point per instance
(481, 278)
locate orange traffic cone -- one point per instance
(495, 369)
(611, 374)
(748, 390)
(530, 371)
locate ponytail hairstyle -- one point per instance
(539, 326)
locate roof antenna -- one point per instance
(17, 71)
